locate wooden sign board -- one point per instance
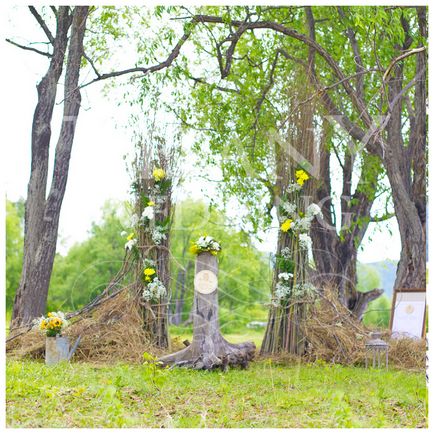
(205, 282)
(408, 313)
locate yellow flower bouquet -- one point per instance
(206, 243)
(53, 324)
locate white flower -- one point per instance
(154, 290)
(313, 210)
(148, 263)
(289, 208)
(282, 291)
(286, 253)
(148, 213)
(124, 234)
(303, 290)
(130, 244)
(208, 243)
(293, 187)
(302, 224)
(215, 245)
(157, 235)
(285, 276)
(305, 241)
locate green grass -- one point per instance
(266, 395)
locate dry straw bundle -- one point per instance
(111, 332)
(334, 335)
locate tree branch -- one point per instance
(244, 26)
(43, 53)
(146, 70)
(221, 88)
(42, 23)
(399, 58)
(357, 56)
(382, 218)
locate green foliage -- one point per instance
(378, 311)
(14, 248)
(367, 277)
(265, 395)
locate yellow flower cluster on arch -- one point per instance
(286, 225)
(301, 176)
(149, 274)
(158, 174)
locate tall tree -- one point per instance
(42, 211)
(257, 96)
(42, 207)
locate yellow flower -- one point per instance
(50, 314)
(213, 252)
(43, 325)
(158, 174)
(130, 236)
(151, 203)
(149, 271)
(194, 249)
(286, 225)
(147, 279)
(301, 176)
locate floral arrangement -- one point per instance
(154, 289)
(146, 219)
(53, 324)
(206, 243)
(297, 223)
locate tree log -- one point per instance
(209, 350)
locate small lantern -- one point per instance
(376, 346)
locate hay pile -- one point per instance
(335, 336)
(111, 332)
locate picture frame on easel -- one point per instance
(408, 313)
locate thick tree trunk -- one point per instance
(209, 349)
(406, 170)
(42, 215)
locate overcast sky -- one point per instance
(97, 170)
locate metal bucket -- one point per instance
(56, 350)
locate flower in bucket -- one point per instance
(53, 324)
(158, 174)
(206, 243)
(286, 225)
(301, 176)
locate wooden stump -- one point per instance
(209, 350)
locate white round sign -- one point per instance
(205, 282)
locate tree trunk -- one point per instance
(209, 349)
(42, 215)
(406, 170)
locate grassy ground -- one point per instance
(266, 395)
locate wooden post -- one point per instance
(209, 349)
